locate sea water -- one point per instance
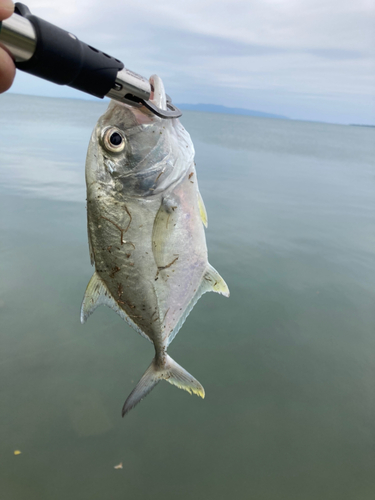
(287, 362)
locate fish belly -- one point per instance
(150, 253)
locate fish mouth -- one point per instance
(142, 115)
(158, 95)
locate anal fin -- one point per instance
(214, 282)
(211, 282)
(97, 294)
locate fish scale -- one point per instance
(146, 233)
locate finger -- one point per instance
(6, 9)
(7, 71)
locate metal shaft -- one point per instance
(128, 82)
(44, 50)
(18, 36)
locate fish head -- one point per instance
(135, 152)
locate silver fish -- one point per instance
(145, 231)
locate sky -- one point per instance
(305, 59)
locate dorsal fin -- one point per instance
(94, 295)
(97, 294)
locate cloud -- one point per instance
(336, 54)
(226, 52)
(183, 43)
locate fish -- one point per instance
(146, 230)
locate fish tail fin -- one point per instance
(172, 372)
(178, 376)
(148, 381)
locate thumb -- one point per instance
(6, 9)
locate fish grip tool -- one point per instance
(44, 50)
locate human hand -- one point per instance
(7, 68)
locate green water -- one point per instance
(288, 362)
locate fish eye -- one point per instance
(113, 140)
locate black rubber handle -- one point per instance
(63, 59)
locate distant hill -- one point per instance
(216, 108)
(360, 125)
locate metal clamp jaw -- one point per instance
(127, 89)
(44, 50)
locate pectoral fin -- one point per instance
(97, 294)
(163, 230)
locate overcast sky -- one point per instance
(306, 59)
